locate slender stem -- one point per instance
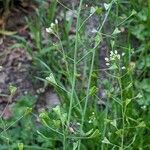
(74, 66)
(91, 70)
(123, 117)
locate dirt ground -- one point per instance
(16, 62)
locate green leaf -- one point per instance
(127, 101)
(89, 132)
(141, 124)
(119, 132)
(20, 146)
(12, 89)
(145, 85)
(133, 12)
(98, 10)
(93, 10)
(93, 90)
(98, 39)
(114, 123)
(42, 135)
(57, 110)
(105, 140)
(143, 62)
(57, 123)
(106, 6)
(45, 118)
(43, 115)
(75, 145)
(27, 111)
(116, 31)
(95, 134)
(7, 32)
(61, 115)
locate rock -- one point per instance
(51, 99)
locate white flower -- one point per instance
(78, 124)
(143, 107)
(118, 56)
(112, 58)
(106, 59)
(111, 53)
(123, 67)
(49, 30)
(123, 54)
(93, 113)
(116, 52)
(107, 64)
(56, 21)
(52, 25)
(51, 79)
(94, 31)
(90, 121)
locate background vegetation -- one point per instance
(66, 58)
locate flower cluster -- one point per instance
(92, 118)
(52, 27)
(114, 59)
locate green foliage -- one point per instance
(20, 131)
(68, 63)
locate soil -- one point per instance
(16, 62)
(15, 65)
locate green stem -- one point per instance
(123, 117)
(74, 66)
(91, 70)
(148, 18)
